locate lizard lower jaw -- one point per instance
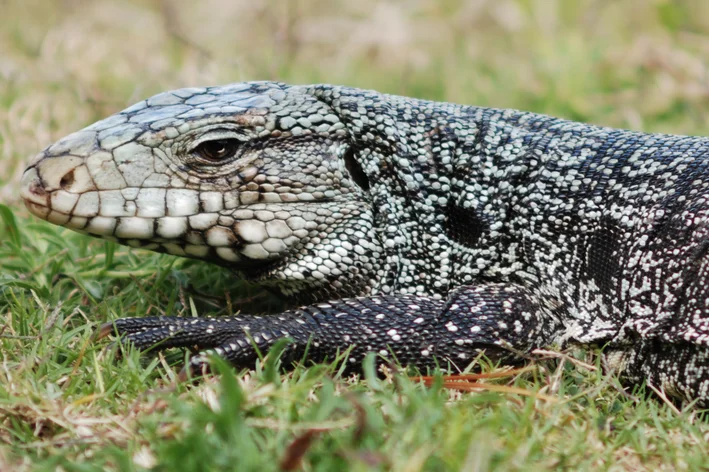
(37, 210)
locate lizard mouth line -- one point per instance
(243, 244)
(42, 210)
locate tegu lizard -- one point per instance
(424, 232)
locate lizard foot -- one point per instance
(237, 339)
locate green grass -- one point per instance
(67, 403)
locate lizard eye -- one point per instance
(217, 150)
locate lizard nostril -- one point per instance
(67, 180)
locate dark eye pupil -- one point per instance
(217, 150)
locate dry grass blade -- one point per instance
(474, 386)
(498, 374)
(468, 383)
(664, 398)
(296, 450)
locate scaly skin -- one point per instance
(425, 231)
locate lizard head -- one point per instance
(257, 176)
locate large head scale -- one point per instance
(258, 176)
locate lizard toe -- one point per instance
(125, 326)
(172, 331)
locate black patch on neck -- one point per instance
(355, 170)
(463, 225)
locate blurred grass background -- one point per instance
(639, 64)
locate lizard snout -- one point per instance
(52, 185)
(34, 194)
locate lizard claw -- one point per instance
(185, 373)
(195, 365)
(104, 330)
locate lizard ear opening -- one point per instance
(355, 170)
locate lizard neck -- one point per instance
(443, 182)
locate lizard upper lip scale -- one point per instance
(425, 231)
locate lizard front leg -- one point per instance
(501, 320)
